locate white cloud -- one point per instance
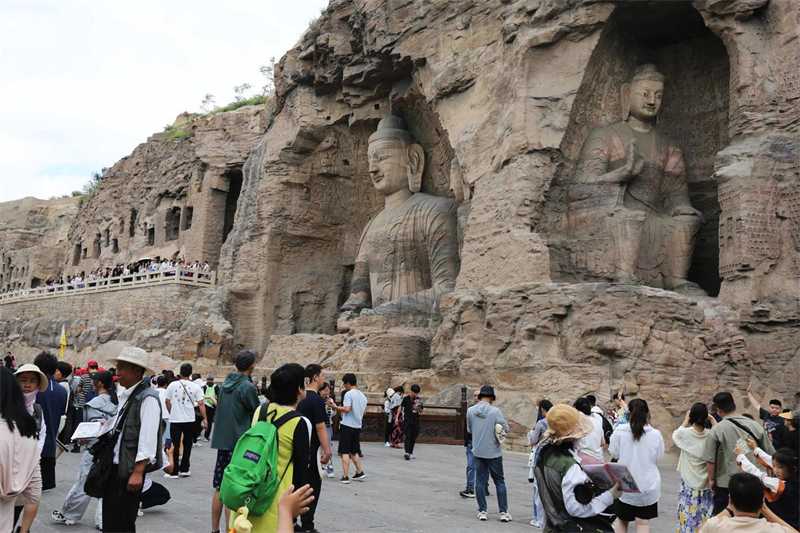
(83, 83)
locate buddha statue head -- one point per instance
(641, 97)
(396, 162)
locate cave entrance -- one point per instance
(172, 224)
(35, 282)
(76, 255)
(231, 201)
(694, 112)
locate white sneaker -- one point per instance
(412, 456)
(198, 445)
(58, 518)
(482, 515)
(184, 474)
(170, 476)
(387, 445)
(505, 517)
(329, 474)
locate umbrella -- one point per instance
(142, 259)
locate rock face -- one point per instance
(500, 96)
(174, 196)
(33, 237)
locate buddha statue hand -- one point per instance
(633, 165)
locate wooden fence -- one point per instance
(438, 424)
(183, 276)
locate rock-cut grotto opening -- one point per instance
(694, 69)
(234, 189)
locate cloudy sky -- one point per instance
(83, 83)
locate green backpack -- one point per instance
(251, 479)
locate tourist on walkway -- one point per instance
(287, 387)
(744, 509)
(695, 499)
(718, 452)
(33, 382)
(619, 414)
(388, 415)
(773, 423)
(353, 406)
(182, 398)
(781, 491)
(412, 407)
(54, 405)
(640, 447)
(161, 388)
(324, 393)
(569, 500)
(100, 408)
(137, 451)
(238, 400)
(792, 419)
(210, 395)
(313, 408)
(590, 447)
(483, 420)
(397, 417)
(469, 492)
(20, 473)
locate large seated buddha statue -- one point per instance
(408, 254)
(630, 191)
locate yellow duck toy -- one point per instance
(242, 524)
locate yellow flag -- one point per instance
(63, 341)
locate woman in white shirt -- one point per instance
(640, 447)
(695, 500)
(590, 447)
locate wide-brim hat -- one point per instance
(566, 423)
(33, 368)
(134, 356)
(389, 392)
(790, 415)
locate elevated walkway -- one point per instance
(181, 276)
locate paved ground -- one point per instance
(398, 496)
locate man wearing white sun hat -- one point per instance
(138, 427)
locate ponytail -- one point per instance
(637, 417)
(107, 381)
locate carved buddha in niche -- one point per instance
(631, 186)
(408, 254)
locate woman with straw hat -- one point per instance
(571, 502)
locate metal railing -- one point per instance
(184, 276)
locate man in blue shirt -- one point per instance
(353, 407)
(54, 404)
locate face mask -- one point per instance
(30, 399)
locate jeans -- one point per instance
(483, 468)
(329, 466)
(470, 467)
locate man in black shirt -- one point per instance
(412, 407)
(313, 408)
(773, 423)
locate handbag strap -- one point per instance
(740, 426)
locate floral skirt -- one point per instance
(694, 508)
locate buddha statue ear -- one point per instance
(415, 158)
(625, 100)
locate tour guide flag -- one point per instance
(63, 341)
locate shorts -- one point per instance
(629, 513)
(223, 460)
(349, 440)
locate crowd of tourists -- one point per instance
(273, 445)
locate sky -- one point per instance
(83, 83)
